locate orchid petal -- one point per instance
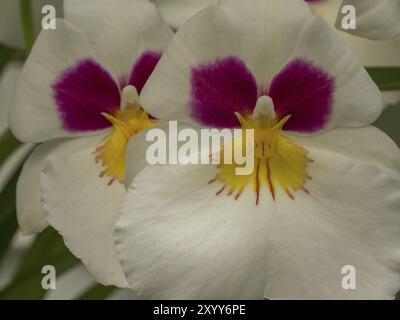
(193, 244)
(119, 31)
(35, 116)
(83, 207)
(30, 212)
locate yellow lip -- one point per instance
(279, 163)
(112, 152)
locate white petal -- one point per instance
(177, 239)
(376, 20)
(119, 31)
(255, 33)
(30, 213)
(13, 163)
(34, 116)
(8, 85)
(83, 207)
(350, 218)
(367, 144)
(357, 100)
(176, 12)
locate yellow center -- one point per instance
(126, 123)
(278, 161)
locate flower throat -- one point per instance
(279, 163)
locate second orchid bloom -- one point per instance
(79, 94)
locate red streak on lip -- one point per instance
(258, 184)
(271, 186)
(221, 190)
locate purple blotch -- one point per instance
(305, 92)
(82, 93)
(219, 90)
(143, 68)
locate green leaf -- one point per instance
(8, 218)
(388, 122)
(48, 249)
(8, 144)
(27, 24)
(97, 292)
(6, 54)
(386, 78)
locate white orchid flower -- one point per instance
(325, 190)
(376, 20)
(80, 94)
(11, 32)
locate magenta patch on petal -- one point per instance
(82, 93)
(143, 68)
(306, 93)
(219, 90)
